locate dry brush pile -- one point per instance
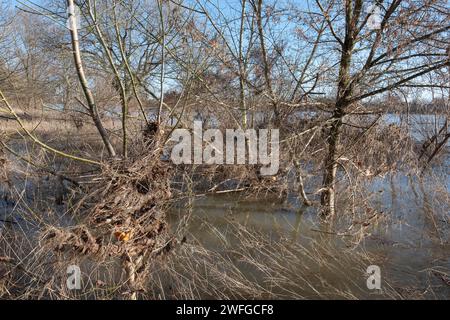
(118, 220)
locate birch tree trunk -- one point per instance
(83, 81)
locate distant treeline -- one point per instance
(419, 107)
(395, 105)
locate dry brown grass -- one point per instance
(113, 224)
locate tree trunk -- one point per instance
(266, 64)
(344, 95)
(83, 81)
(329, 180)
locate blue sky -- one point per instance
(228, 7)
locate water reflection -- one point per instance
(413, 241)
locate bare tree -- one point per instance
(83, 81)
(374, 61)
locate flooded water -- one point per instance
(411, 244)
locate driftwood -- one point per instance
(127, 219)
(6, 117)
